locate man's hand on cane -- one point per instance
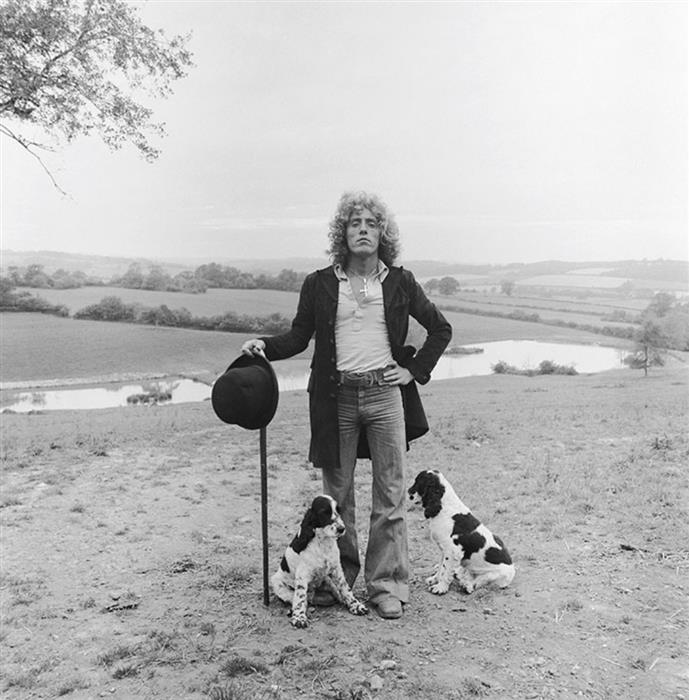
(255, 346)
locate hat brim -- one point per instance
(270, 403)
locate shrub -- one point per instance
(545, 367)
(11, 300)
(550, 367)
(108, 309)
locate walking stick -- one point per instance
(264, 514)
(247, 395)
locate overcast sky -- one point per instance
(496, 132)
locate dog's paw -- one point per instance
(466, 582)
(357, 608)
(439, 588)
(299, 621)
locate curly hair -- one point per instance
(389, 245)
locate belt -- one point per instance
(369, 378)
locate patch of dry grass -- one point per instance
(566, 470)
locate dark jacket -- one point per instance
(402, 297)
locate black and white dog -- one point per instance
(469, 551)
(312, 559)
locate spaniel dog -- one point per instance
(469, 551)
(313, 559)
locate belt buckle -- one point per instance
(370, 377)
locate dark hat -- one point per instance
(247, 394)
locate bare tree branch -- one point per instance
(28, 145)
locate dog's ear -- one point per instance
(305, 534)
(432, 507)
(308, 523)
(418, 485)
(431, 491)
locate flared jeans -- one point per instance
(378, 410)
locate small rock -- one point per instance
(387, 664)
(375, 683)
(115, 595)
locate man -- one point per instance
(363, 399)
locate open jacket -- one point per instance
(402, 297)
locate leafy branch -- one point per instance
(73, 67)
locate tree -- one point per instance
(109, 308)
(288, 280)
(35, 276)
(672, 318)
(448, 286)
(157, 279)
(649, 340)
(661, 304)
(431, 285)
(507, 287)
(133, 278)
(72, 67)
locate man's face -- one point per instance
(363, 233)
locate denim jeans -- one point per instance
(378, 410)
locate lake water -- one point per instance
(523, 354)
(108, 396)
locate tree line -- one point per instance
(448, 286)
(112, 308)
(156, 278)
(663, 324)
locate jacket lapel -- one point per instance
(390, 284)
(329, 282)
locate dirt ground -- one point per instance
(131, 551)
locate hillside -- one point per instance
(668, 274)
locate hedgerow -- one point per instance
(112, 308)
(614, 331)
(545, 367)
(24, 301)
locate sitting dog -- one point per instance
(312, 559)
(469, 551)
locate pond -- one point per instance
(293, 375)
(528, 354)
(522, 354)
(109, 396)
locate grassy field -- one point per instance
(593, 306)
(37, 347)
(256, 302)
(594, 281)
(468, 328)
(131, 562)
(130, 537)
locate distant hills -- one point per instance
(666, 273)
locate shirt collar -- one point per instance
(381, 272)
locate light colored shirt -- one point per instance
(361, 337)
